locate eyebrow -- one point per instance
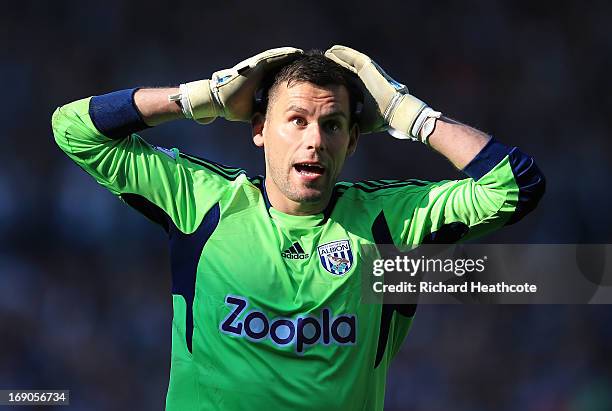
(297, 109)
(301, 110)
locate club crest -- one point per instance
(336, 257)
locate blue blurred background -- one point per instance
(85, 281)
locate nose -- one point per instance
(315, 137)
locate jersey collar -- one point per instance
(318, 219)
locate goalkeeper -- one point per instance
(265, 270)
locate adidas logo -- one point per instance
(295, 252)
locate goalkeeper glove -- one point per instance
(230, 93)
(388, 105)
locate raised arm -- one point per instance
(457, 142)
(154, 106)
(504, 184)
(98, 133)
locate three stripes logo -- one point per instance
(295, 252)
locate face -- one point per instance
(306, 139)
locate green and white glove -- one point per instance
(388, 105)
(230, 93)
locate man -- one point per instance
(266, 288)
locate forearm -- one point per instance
(154, 107)
(86, 125)
(457, 142)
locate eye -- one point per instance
(333, 126)
(299, 121)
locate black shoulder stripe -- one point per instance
(390, 183)
(342, 187)
(369, 187)
(380, 183)
(214, 163)
(417, 182)
(218, 167)
(225, 172)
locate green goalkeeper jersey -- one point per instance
(267, 306)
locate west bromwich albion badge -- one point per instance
(336, 257)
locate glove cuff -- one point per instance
(196, 101)
(403, 113)
(200, 101)
(410, 118)
(424, 124)
(183, 100)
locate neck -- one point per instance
(285, 205)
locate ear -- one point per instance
(353, 138)
(257, 123)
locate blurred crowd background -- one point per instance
(85, 297)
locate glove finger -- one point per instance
(378, 83)
(362, 65)
(234, 89)
(378, 87)
(262, 61)
(340, 62)
(272, 56)
(348, 58)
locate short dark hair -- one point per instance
(312, 67)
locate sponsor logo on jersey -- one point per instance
(301, 331)
(336, 257)
(295, 252)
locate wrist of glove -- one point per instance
(197, 101)
(230, 93)
(388, 105)
(413, 121)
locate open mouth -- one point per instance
(309, 169)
